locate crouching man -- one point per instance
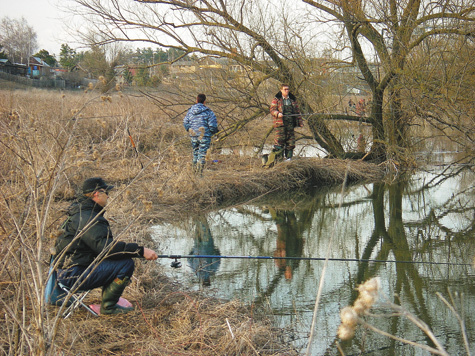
(88, 255)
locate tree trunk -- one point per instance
(378, 150)
(396, 125)
(324, 137)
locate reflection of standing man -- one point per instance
(204, 268)
(289, 241)
(285, 111)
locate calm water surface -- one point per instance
(428, 218)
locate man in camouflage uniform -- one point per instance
(285, 111)
(201, 124)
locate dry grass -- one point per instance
(51, 142)
(169, 321)
(231, 186)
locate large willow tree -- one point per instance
(395, 31)
(286, 41)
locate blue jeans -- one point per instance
(96, 275)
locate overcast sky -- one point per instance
(45, 19)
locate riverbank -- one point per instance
(168, 194)
(52, 142)
(171, 320)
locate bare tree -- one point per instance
(394, 31)
(254, 36)
(18, 39)
(294, 43)
(442, 91)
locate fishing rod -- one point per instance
(177, 264)
(329, 114)
(310, 114)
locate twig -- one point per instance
(322, 278)
(461, 321)
(340, 349)
(250, 344)
(366, 155)
(229, 327)
(424, 347)
(135, 148)
(421, 325)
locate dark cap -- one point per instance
(92, 184)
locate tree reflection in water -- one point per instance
(428, 217)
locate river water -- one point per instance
(427, 219)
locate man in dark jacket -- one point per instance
(200, 122)
(285, 111)
(88, 255)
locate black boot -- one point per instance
(110, 296)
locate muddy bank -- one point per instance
(171, 321)
(297, 174)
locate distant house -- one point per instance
(58, 72)
(183, 67)
(11, 68)
(6, 66)
(213, 63)
(38, 67)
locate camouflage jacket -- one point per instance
(277, 107)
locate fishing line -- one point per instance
(177, 257)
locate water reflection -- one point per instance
(289, 240)
(203, 244)
(391, 243)
(430, 217)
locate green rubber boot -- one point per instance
(273, 157)
(110, 296)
